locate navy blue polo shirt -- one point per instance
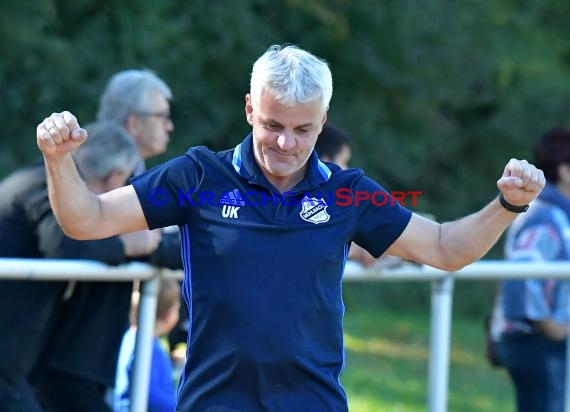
(263, 275)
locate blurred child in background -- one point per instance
(162, 393)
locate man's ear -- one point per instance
(323, 121)
(133, 125)
(249, 109)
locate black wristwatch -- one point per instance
(510, 207)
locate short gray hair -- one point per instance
(292, 76)
(108, 148)
(127, 93)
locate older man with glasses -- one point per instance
(140, 102)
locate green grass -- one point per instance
(387, 364)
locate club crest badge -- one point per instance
(314, 210)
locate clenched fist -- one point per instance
(521, 182)
(60, 134)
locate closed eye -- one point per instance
(274, 127)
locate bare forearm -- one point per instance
(450, 246)
(470, 238)
(81, 214)
(73, 204)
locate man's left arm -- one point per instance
(452, 245)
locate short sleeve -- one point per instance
(381, 217)
(167, 191)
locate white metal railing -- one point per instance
(441, 304)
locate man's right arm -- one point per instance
(82, 214)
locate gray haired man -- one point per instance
(138, 102)
(28, 229)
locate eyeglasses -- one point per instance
(161, 115)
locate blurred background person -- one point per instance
(334, 146)
(162, 393)
(28, 229)
(531, 321)
(83, 362)
(139, 101)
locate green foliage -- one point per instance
(470, 299)
(438, 95)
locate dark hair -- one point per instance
(331, 141)
(551, 151)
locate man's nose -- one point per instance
(286, 140)
(169, 125)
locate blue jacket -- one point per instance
(541, 234)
